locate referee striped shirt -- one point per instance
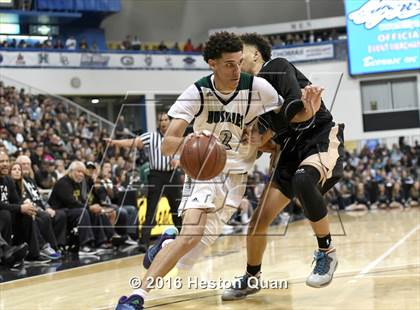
(153, 140)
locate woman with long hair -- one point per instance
(47, 242)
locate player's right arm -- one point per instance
(182, 112)
(174, 137)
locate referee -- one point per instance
(161, 175)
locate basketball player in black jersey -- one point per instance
(310, 163)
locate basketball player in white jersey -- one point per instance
(222, 104)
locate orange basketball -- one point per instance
(203, 157)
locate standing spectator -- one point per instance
(83, 45)
(188, 47)
(162, 47)
(136, 43)
(126, 44)
(71, 43)
(160, 176)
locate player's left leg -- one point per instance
(316, 174)
(194, 222)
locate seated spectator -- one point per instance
(109, 192)
(16, 217)
(46, 237)
(31, 191)
(88, 221)
(44, 176)
(361, 202)
(60, 169)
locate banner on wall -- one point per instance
(53, 59)
(383, 35)
(101, 60)
(306, 52)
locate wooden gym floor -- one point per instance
(379, 268)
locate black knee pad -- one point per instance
(306, 189)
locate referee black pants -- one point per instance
(160, 184)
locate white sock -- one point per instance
(166, 242)
(140, 292)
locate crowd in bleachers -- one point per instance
(133, 43)
(379, 177)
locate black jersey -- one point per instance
(288, 81)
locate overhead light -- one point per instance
(94, 101)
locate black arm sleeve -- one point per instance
(13, 203)
(289, 89)
(288, 81)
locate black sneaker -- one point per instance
(133, 302)
(15, 254)
(242, 287)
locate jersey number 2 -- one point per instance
(225, 137)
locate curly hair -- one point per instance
(262, 45)
(221, 42)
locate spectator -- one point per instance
(69, 195)
(136, 43)
(83, 45)
(126, 44)
(71, 43)
(188, 47)
(17, 215)
(44, 176)
(46, 237)
(31, 191)
(162, 47)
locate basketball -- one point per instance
(203, 157)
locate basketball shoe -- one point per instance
(133, 302)
(149, 256)
(242, 287)
(325, 265)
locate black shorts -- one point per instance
(321, 147)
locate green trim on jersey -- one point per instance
(245, 82)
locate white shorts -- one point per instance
(220, 196)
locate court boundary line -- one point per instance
(391, 249)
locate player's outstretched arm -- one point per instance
(174, 137)
(125, 142)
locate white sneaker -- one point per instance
(325, 266)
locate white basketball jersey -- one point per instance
(227, 116)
